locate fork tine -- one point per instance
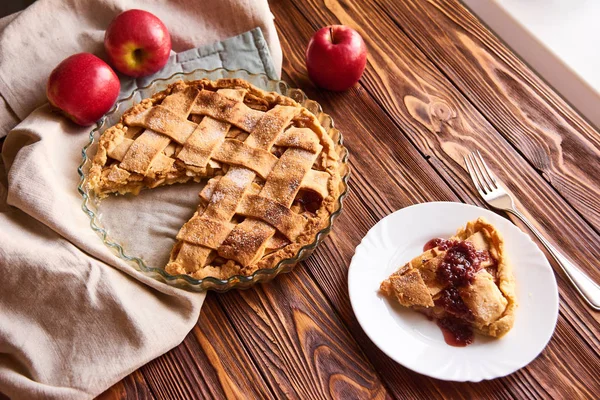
(474, 177)
(485, 171)
(488, 170)
(484, 185)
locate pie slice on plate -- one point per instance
(272, 172)
(465, 283)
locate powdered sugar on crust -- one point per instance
(220, 201)
(217, 197)
(240, 177)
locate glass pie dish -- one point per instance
(141, 229)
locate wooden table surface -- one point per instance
(437, 85)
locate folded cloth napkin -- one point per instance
(74, 318)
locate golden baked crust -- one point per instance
(490, 297)
(272, 171)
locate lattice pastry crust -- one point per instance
(272, 171)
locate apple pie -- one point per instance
(465, 283)
(271, 172)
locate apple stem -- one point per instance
(331, 34)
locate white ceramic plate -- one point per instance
(410, 338)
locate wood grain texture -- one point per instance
(407, 125)
(134, 386)
(210, 363)
(302, 348)
(238, 375)
(559, 144)
(452, 125)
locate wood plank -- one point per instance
(237, 372)
(210, 363)
(443, 140)
(556, 140)
(299, 343)
(213, 360)
(388, 173)
(133, 386)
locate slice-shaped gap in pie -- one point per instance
(464, 283)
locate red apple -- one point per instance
(84, 87)
(336, 57)
(137, 43)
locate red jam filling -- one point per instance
(451, 301)
(458, 268)
(456, 332)
(460, 264)
(311, 201)
(442, 244)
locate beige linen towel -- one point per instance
(50, 30)
(75, 319)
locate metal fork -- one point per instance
(495, 195)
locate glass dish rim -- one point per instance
(211, 282)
